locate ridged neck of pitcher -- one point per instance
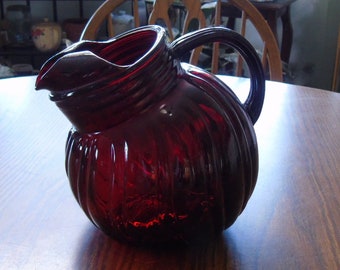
(116, 97)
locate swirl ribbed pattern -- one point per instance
(185, 167)
(159, 151)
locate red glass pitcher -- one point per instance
(160, 151)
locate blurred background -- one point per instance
(315, 25)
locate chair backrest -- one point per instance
(271, 52)
(160, 11)
(193, 13)
(104, 14)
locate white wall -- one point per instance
(315, 25)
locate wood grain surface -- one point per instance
(292, 220)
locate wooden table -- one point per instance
(292, 221)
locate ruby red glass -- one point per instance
(160, 151)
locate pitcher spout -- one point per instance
(100, 84)
(86, 62)
(75, 70)
(77, 67)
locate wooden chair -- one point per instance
(193, 13)
(159, 12)
(102, 15)
(271, 52)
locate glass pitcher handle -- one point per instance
(254, 102)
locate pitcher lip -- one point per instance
(85, 46)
